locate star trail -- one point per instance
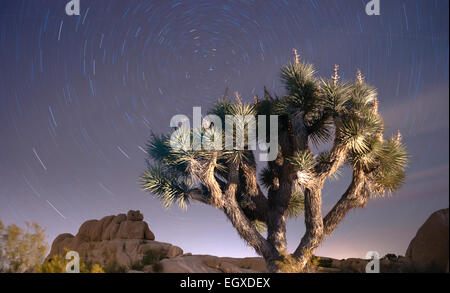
(80, 96)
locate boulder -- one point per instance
(257, 264)
(187, 264)
(110, 232)
(134, 230)
(428, 250)
(166, 249)
(212, 264)
(86, 230)
(351, 265)
(100, 227)
(61, 241)
(119, 218)
(119, 252)
(134, 216)
(122, 240)
(388, 264)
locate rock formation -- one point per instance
(121, 241)
(428, 250)
(124, 243)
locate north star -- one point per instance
(197, 283)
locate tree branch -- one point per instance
(316, 228)
(337, 157)
(209, 179)
(238, 219)
(355, 196)
(253, 189)
(199, 195)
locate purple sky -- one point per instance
(80, 95)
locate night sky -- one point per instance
(80, 96)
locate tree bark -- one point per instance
(293, 137)
(278, 201)
(251, 187)
(355, 196)
(238, 219)
(314, 227)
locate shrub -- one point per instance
(115, 268)
(157, 267)
(391, 256)
(153, 256)
(22, 250)
(57, 265)
(137, 266)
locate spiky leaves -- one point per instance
(361, 130)
(392, 160)
(173, 172)
(384, 163)
(260, 226)
(305, 96)
(170, 174)
(268, 178)
(299, 80)
(303, 161)
(301, 86)
(361, 95)
(359, 123)
(334, 97)
(296, 205)
(168, 188)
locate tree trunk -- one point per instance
(240, 222)
(292, 138)
(314, 228)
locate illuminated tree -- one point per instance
(312, 112)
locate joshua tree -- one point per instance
(312, 112)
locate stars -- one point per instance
(123, 152)
(39, 159)
(59, 213)
(53, 116)
(142, 149)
